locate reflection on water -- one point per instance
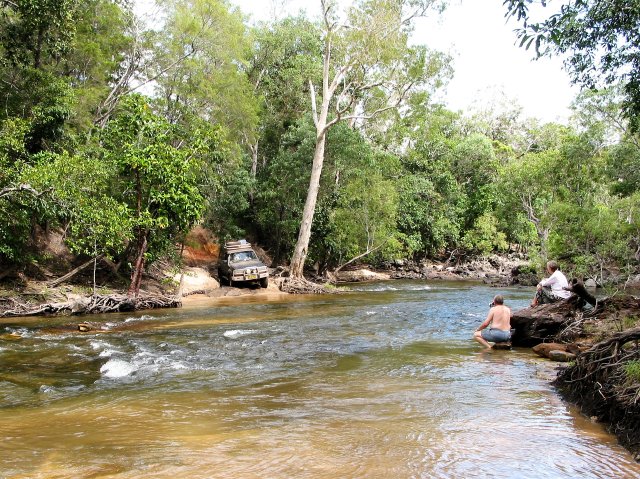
(381, 382)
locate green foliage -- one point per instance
(15, 226)
(18, 207)
(286, 56)
(156, 180)
(82, 199)
(36, 32)
(485, 238)
(428, 220)
(623, 167)
(282, 187)
(40, 98)
(103, 44)
(13, 133)
(364, 204)
(475, 166)
(223, 178)
(632, 371)
(201, 55)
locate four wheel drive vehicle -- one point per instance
(239, 263)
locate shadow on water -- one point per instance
(381, 382)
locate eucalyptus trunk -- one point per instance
(304, 234)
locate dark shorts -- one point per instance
(496, 335)
(545, 296)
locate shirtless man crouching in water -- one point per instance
(500, 319)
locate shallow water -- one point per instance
(377, 383)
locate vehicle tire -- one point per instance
(264, 282)
(222, 279)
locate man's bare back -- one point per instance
(500, 317)
(498, 321)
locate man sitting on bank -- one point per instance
(552, 289)
(499, 318)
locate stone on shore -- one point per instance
(360, 275)
(561, 356)
(544, 349)
(196, 280)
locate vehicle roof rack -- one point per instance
(240, 245)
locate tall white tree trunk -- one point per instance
(344, 90)
(304, 234)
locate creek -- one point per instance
(383, 381)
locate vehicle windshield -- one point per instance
(242, 256)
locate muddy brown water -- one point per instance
(382, 382)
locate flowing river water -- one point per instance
(381, 382)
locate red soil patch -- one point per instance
(201, 248)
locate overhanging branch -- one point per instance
(26, 188)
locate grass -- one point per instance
(630, 322)
(632, 371)
(601, 330)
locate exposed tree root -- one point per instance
(95, 304)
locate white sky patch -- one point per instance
(488, 62)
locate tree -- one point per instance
(285, 56)
(99, 58)
(200, 62)
(36, 33)
(474, 164)
(357, 207)
(600, 112)
(432, 202)
(157, 179)
(368, 68)
(529, 181)
(81, 200)
(601, 39)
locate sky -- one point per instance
(489, 68)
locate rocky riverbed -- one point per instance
(509, 269)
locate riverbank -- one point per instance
(499, 270)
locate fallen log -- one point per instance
(302, 286)
(73, 272)
(96, 304)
